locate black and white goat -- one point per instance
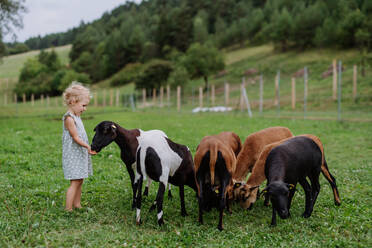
(107, 132)
(162, 160)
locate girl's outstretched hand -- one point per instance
(91, 152)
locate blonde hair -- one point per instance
(76, 92)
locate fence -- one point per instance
(280, 95)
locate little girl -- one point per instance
(76, 161)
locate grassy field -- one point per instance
(32, 189)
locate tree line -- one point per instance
(166, 33)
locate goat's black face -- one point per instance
(278, 193)
(106, 132)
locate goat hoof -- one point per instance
(170, 196)
(220, 227)
(139, 222)
(146, 192)
(306, 215)
(161, 221)
(184, 214)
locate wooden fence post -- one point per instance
(200, 97)
(42, 99)
(32, 100)
(144, 97)
(24, 98)
(47, 100)
(261, 93)
(56, 101)
(355, 78)
(339, 88)
(227, 94)
(5, 99)
(334, 87)
(293, 93)
(277, 86)
(154, 96)
(305, 91)
(117, 97)
(15, 98)
(213, 94)
(161, 95)
(111, 97)
(178, 98)
(104, 98)
(95, 98)
(168, 95)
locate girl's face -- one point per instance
(79, 107)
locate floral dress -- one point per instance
(76, 161)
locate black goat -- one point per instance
(291, 162)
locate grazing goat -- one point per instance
(107, 132)
(247, 193)
(162, 160)
(290, 162)
(253, 146)
(215, 164)
(232, 140)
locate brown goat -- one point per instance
(253, 146)
(232, 140)
(247, 193)
(215, 163)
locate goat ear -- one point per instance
(254, 187)
(290, 186)
(237, 185)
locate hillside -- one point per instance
(267, 61)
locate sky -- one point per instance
(53, 16)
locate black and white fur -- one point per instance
(162, 160)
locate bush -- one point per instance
(71, 75)
(127, 75)
(154, 74)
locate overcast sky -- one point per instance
(52, 16)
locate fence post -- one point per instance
(227, 94)
(293, 93)
(200, 97)
(47, 100)
(24, 98)
(32, 100)
(144, 97)
(5, 99)
(42, 99)
(56, 101)
(95, 97)
(161, 96)
(261, 93)
(334, 87)
(178, 98)
(15, 98)
(111, 97)
(242, 87)
(154, 96)
(104, 98)
(305, 92)
(277, 89)
(339, 88)
(213, 94)
(117, 97)
(168, 95)
(355, 77)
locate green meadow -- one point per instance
(32, 188)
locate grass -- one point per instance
(32, 189)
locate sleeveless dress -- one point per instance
(76, 161)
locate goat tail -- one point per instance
(212, 160)
(332, 182)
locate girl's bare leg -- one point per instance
(77, 199)
(71, 193)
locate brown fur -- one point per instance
(213, 145)
(253, 146)
(247, 193)
(232, 140)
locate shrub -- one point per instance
(126, 75)
(154, 74)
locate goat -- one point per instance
(290, 162)
(162, 160)
(107, 132)
(215, 164)
(253, 146)
(232, 140)
(247, 193)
